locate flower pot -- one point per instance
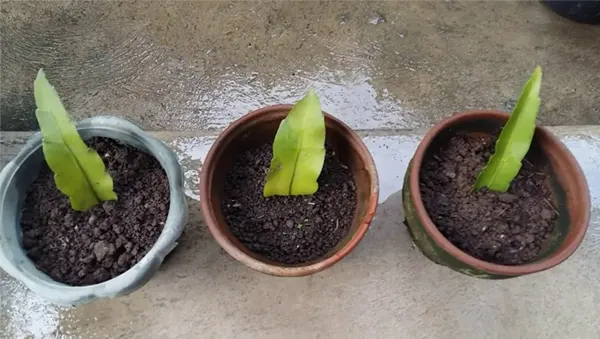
(259, 128)
(566, 185)
(21, 173)
(587, 12)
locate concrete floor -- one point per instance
(187, 69)
(197, 65)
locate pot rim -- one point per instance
(274, 269)
(446, 245)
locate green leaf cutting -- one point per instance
(298, 150)
(514, 140)
(79, 172)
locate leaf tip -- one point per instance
(311, 97)
(40, 78)
(43, 90)
(537, 76)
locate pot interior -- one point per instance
(27, 172)
(261, 130)
(543, 153)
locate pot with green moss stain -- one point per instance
(569, 188)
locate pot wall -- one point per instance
(18, 174)
(570, 190)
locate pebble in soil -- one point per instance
(290, 229)
(508, 228)
(83, 248)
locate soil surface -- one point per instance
(84, 248)
(294, 229)
(505, 228)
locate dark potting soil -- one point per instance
(84, 248)
(293, 229)
(504, 228)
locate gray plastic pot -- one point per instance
(18, 174)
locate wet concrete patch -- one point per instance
(174, 66)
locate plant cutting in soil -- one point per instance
(489, 194)
(305, 204)
(81, 223)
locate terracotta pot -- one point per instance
(257, 128)
(569, 188)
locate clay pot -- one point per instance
(569, 187)
(257, 128)
(18, 174)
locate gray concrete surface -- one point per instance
(197, 65)
(385, 288)
(389, 69)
